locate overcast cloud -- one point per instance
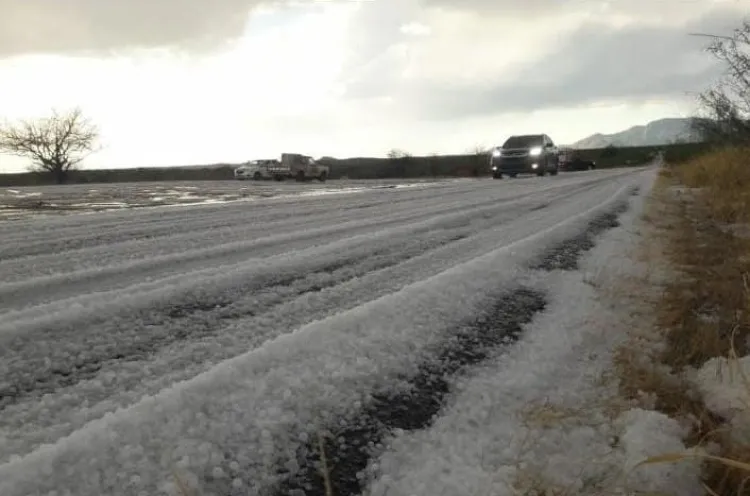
(60, 26)
(595, 63)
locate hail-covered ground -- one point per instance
(35, 201)
(222, 347)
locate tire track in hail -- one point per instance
(353, 443)
(28, 291)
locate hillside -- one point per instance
(655, 133)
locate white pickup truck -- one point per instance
(256, 169)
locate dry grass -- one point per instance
(703, 311)
(545, 414)
(530, 482)
(182, 487)
(325, 472)
(724, 178)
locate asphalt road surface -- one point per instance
(219, 340)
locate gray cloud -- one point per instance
(374, 29)
(530, 9)
(34, 26)
(506, 7)
(595, 63)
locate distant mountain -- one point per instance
(655, 133)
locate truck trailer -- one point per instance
(299, 167)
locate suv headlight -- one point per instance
(535, 151)
(496, 152)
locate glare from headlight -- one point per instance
(535, 151)
(494, 167)
(534, 166)
(496, 152)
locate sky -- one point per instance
(176, 82)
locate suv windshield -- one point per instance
(523, 141)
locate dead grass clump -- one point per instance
(724, 179)
(700, 309)
(704, 310)
(544, 415)
(530, 482)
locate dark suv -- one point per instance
(529, 153)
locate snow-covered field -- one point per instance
(221, 342)
(23, 202)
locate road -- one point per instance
(220, 340)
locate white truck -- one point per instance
(256, 169)
(299, 167)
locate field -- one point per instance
(224, 347)
(25, 201)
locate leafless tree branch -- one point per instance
(54, 144)
(726, 106)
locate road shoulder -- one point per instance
(552, 414)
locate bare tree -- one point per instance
(479, 150)
(400, 162)
(481, 156)
(54, 144)
(396, 154)
(726, 106)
